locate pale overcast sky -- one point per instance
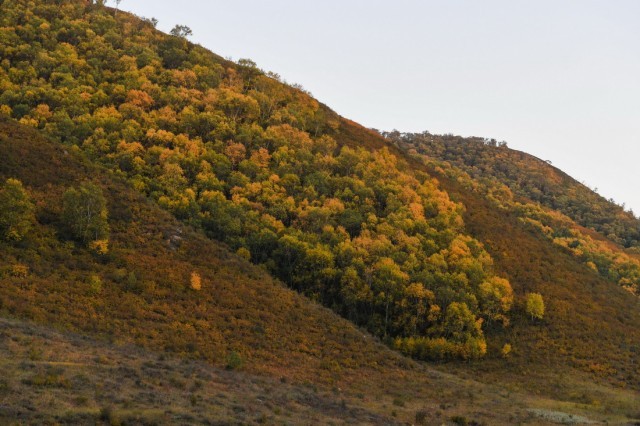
(557, 79)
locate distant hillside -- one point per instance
(543, 197)
(528, 177)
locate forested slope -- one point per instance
(254, 163)
(599, 233)
(145, 293)
(589, 320)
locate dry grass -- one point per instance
(75, 380)
(50, 377)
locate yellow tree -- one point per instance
(495, 297)
(535, 305)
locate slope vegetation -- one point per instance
(588, 324)
(254, 163)
(418, 251)
(146, 295)
(284, 357)
(544, 198)
(61, 378)
(530, 178)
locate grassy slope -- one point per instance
(275, 331)
(590, 324)
(53, 377)
(75, 380)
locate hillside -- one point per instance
(240, 319)
(254, 163)
(69, 379)
(566, 212)
(527, 177)
(589, 320)
(298, 360)
(244, 225)
(51, 377)
(146, 296)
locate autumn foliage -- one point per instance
(254, 163)
(545, 199)
(434, 258)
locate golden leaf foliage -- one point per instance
(195, 281)
(254, 163)
(535, 306)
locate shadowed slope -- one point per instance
(146, 297)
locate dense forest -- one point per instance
(254, 163)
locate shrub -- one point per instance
(196, 281)
(244, 253)
(19, 270)
(441, 349)
(99, 246)
(234, 361)
(506, 350)
(421, 417)
(95, 285)
(460, 420)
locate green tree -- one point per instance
(181, 31)
(85, 213)
(460, 324)
(389, 280)
(16, 211)
(535, 305)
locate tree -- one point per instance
(181, 31)
(16, 211)
(535, 305)
(389, 281)
(496, 298)
(85, 213)
(460, 324)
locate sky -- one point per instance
(557, 79)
